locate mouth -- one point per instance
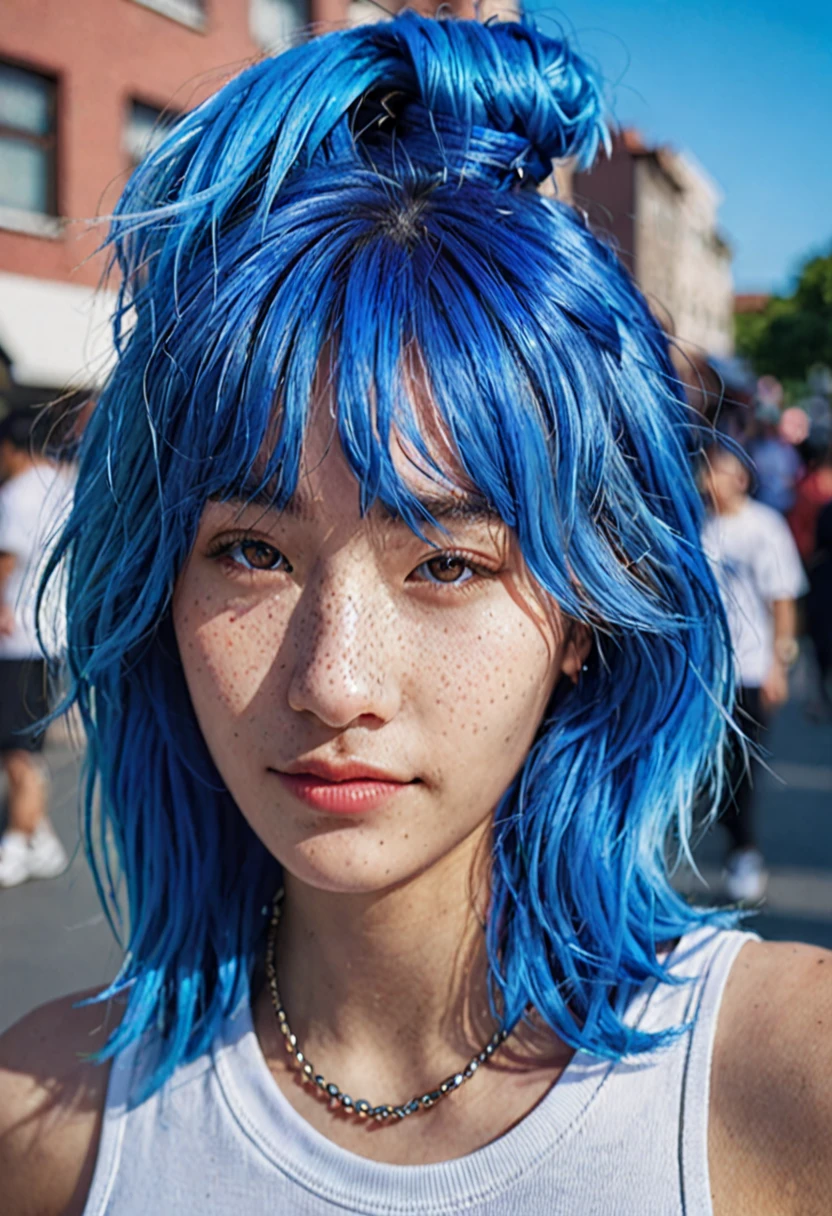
(347, 789)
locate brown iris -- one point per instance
(259, 555)
(447, 568)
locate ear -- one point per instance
(577, 646)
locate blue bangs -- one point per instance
(378, 230)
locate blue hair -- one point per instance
(366, 195)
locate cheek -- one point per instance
(228, 649)
(492, 685)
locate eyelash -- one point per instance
(225, 547)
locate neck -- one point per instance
(22, 462)
(731, 506)
(397, 979)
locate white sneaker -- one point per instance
(22, 857)
(745, 876)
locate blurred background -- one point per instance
(716, 195)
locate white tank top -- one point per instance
(627, 1138)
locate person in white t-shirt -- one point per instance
(760, 575)
(29, 847)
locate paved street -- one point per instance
(794, 827)
(54, 939)
(53, 935)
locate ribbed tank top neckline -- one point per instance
(344, 1178)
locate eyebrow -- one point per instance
(454, 508)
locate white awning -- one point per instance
(56, 335)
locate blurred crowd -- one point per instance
(767, 478)
(790, 453)
(34, 493)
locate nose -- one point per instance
(341, 630)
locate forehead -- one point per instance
(326, 483)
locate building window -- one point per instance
(276, 23)
(186, 12)
(145, 128)
(27, 141)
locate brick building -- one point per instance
(83, 88)
(660, 209)
(751, 302)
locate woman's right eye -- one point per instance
(256, 555)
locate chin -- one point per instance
(329, 862)
(362, 855)
(351, 857)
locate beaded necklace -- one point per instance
(338, 1099)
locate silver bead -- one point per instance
(451, 1083)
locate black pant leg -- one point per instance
(743, 770)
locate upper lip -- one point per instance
(352, 771)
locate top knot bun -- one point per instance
(499, 102)
(415, 98)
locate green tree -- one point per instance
(795, 331)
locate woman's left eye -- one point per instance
(447, 569)
(254, 554)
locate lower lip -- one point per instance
(341, 797)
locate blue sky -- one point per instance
(746, 86)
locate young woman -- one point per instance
(401, 664)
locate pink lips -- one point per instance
(348, 790)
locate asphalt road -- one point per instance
(54, 938)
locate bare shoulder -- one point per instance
(770, 1134)
(51, 1104)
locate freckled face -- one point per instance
(316, 635)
